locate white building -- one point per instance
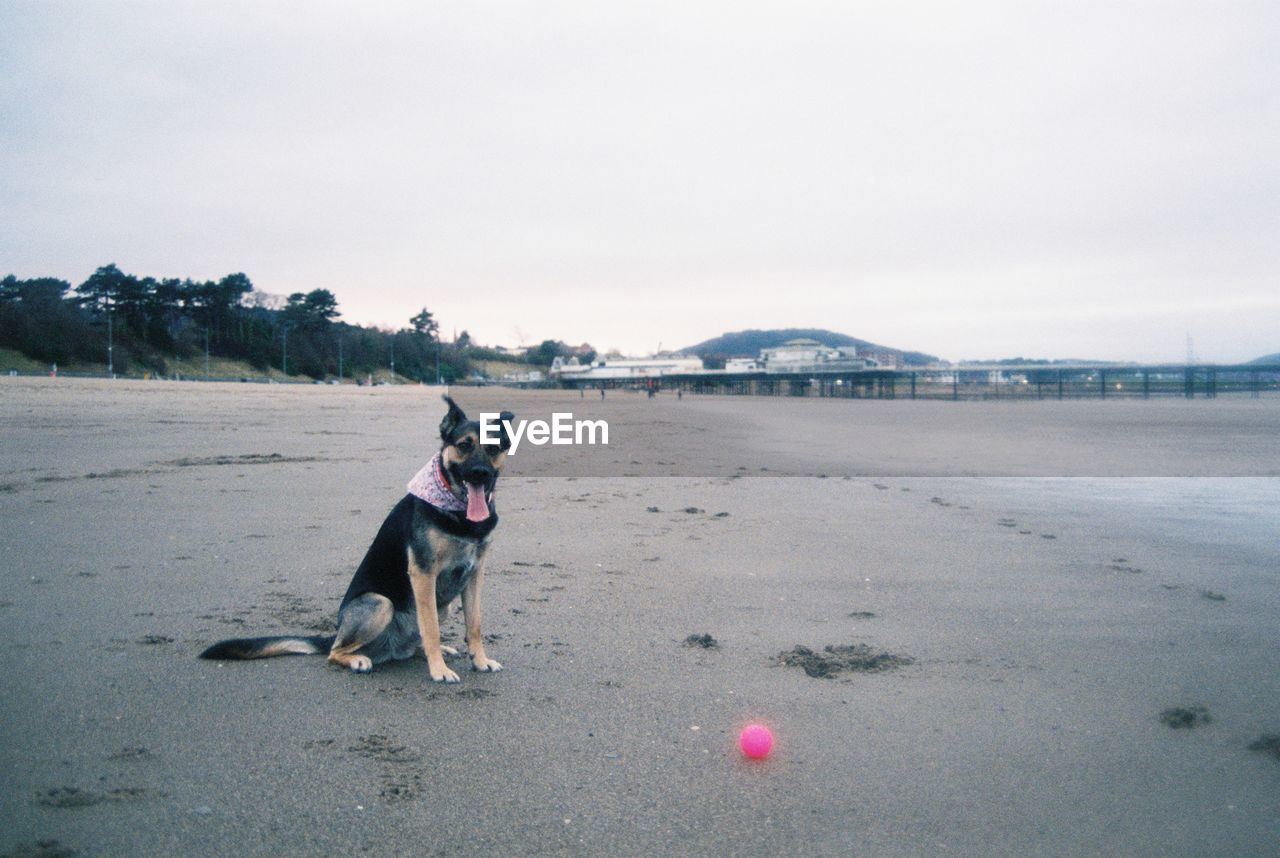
(533, 375)
(623, 368)
(812, 356)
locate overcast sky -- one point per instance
(973, 180)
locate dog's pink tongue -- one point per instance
(477, 508)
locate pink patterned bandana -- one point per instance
(429, 484)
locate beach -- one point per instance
(1079, 602)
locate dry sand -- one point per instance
(1058, 574)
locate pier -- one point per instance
(973, 382)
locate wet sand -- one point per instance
(1048, 581)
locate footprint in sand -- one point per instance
(1268, 744)
(131, 755)
(1132, 570)
(1185, 717)
(41, 849)
(398, 784)
(834, 660)
(69, 797)
(74, 797)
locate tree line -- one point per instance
(140, 323)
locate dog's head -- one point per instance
(471, 467)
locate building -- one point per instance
(532, 376)
(802, 355)
(621, 368)
(884, 359)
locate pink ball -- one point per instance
(756, 741)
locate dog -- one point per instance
(429, 550)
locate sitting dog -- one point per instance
(429, 550)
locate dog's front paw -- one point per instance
(360, 664)
(485, 665)
(445, 675)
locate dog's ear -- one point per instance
(452, 420)
(505, 419)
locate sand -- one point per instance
(1049, 578)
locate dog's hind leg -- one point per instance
(360, 622)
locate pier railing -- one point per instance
(1034, 382)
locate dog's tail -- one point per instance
(243, 648)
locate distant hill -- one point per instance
(747, 344)
(1268, 359)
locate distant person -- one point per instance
(680, 394)
(581, 393)
(602, 393)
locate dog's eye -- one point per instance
(494, 450)
(466, 445)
